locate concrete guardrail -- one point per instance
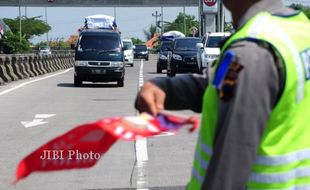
(18, 67)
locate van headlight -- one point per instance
(117, 64)
(81, 63)
(177, 57)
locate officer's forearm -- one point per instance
(183, 92)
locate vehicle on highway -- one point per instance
(99, 57)
(182, 56)
(209, 48)
(128, 53)
(45, 50)
(163, 56)
(141, 51)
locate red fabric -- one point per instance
(95, 139)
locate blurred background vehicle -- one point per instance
(163, 56)
(128, 51)
(182, 56)
(45, 50)
(141, 51)
(209, 48)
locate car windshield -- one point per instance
(44, 48)
(141, 48)
(127, 45)
(99, 43)
(165, 45)
(214, 41)
(186, 44)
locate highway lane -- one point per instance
(169, 157)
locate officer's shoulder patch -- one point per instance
(226, 75)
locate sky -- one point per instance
(131, 21)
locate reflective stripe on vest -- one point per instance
(284, 159)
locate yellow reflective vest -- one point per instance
(283, 160)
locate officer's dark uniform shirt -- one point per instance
(242, 119)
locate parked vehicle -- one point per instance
(182, 56)
(128, 51)
(99, 57)
(141, 51)
(45, 50)
(163, 56)
(209, 48)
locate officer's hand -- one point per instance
(150, 99)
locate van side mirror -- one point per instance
(133, 47)
(199, 46)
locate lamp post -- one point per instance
(46, 23)
(184, 21)
(162, 20)
(20, 22)
(156, 15)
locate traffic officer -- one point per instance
(254, 131)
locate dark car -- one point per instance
(141, 51)
(99, 57)
(163, 56)
(183, 56)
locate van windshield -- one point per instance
(141, 48)
(100, 43)
(165, 46)
(127, 45)
(214, 41)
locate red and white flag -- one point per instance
(94, 139)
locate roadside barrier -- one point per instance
(18, 67)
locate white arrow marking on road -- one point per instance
(39, 120)
(35, 122)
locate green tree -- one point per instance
(30, 26)
(300, 7)
(11, 43)
(136, 41)
(178, 24)
(151, 32)
(228, 27)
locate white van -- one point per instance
(128, 52)
(209, 49)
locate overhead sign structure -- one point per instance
(100, 3)
(210, 6)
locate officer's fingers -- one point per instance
(146, 98)
(160, 97)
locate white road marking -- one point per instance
(141, 149)
(44, 116)
(32, 81)
(34, 123)
(37, 121)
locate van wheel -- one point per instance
(77, 81)
(120, 82)
(131, 65)
(146, 59)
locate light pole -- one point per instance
(162, 20)
(46, 23)
(20, 23)
(184, 21)
(156, 15)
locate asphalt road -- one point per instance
(53, 96)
